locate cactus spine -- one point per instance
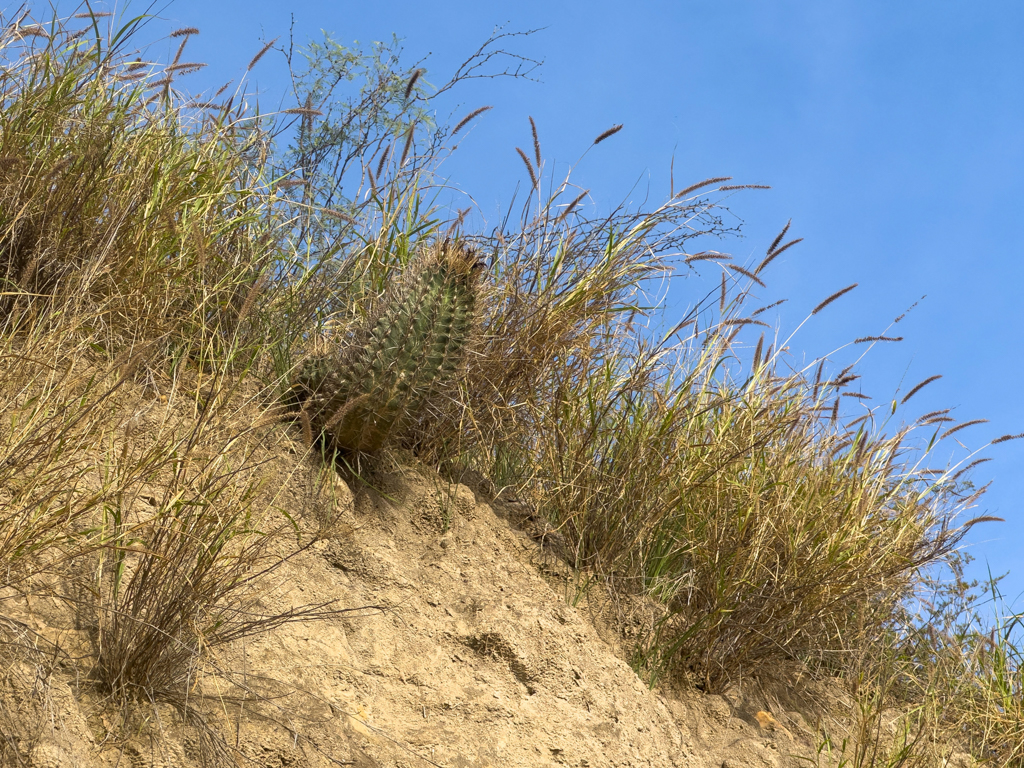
(401, 357)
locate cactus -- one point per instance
(399, 359)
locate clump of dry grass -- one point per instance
(135, 242)
(57, 409)
(177, 573)
(110, 205)
(943, 679)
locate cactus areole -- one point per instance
(405, 353)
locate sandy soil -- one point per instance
(473, 658)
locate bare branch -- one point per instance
(516, 65)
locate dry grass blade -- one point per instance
(529, 168)
(186, 67)
(734, 187)
(730, 321)
(917, 388)
(409, 134)
(778, 238)
(383, 159)
(181, 50)
(706, 256)
(747, 274)
(262, 52)
(536, 142)
(833, 297)
(608, 134)
(774, 253)
(306, 112)
(965, 425)
(469, 118)
(572, 205)
(412, 83)
(701, 185)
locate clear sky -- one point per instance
(892, 135)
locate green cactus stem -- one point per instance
(404, 354)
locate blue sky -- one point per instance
(892, 135)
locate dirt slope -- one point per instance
(476, 661)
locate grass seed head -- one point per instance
(608, 133)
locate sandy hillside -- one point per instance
(474, 659)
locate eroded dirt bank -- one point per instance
(476, 661)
